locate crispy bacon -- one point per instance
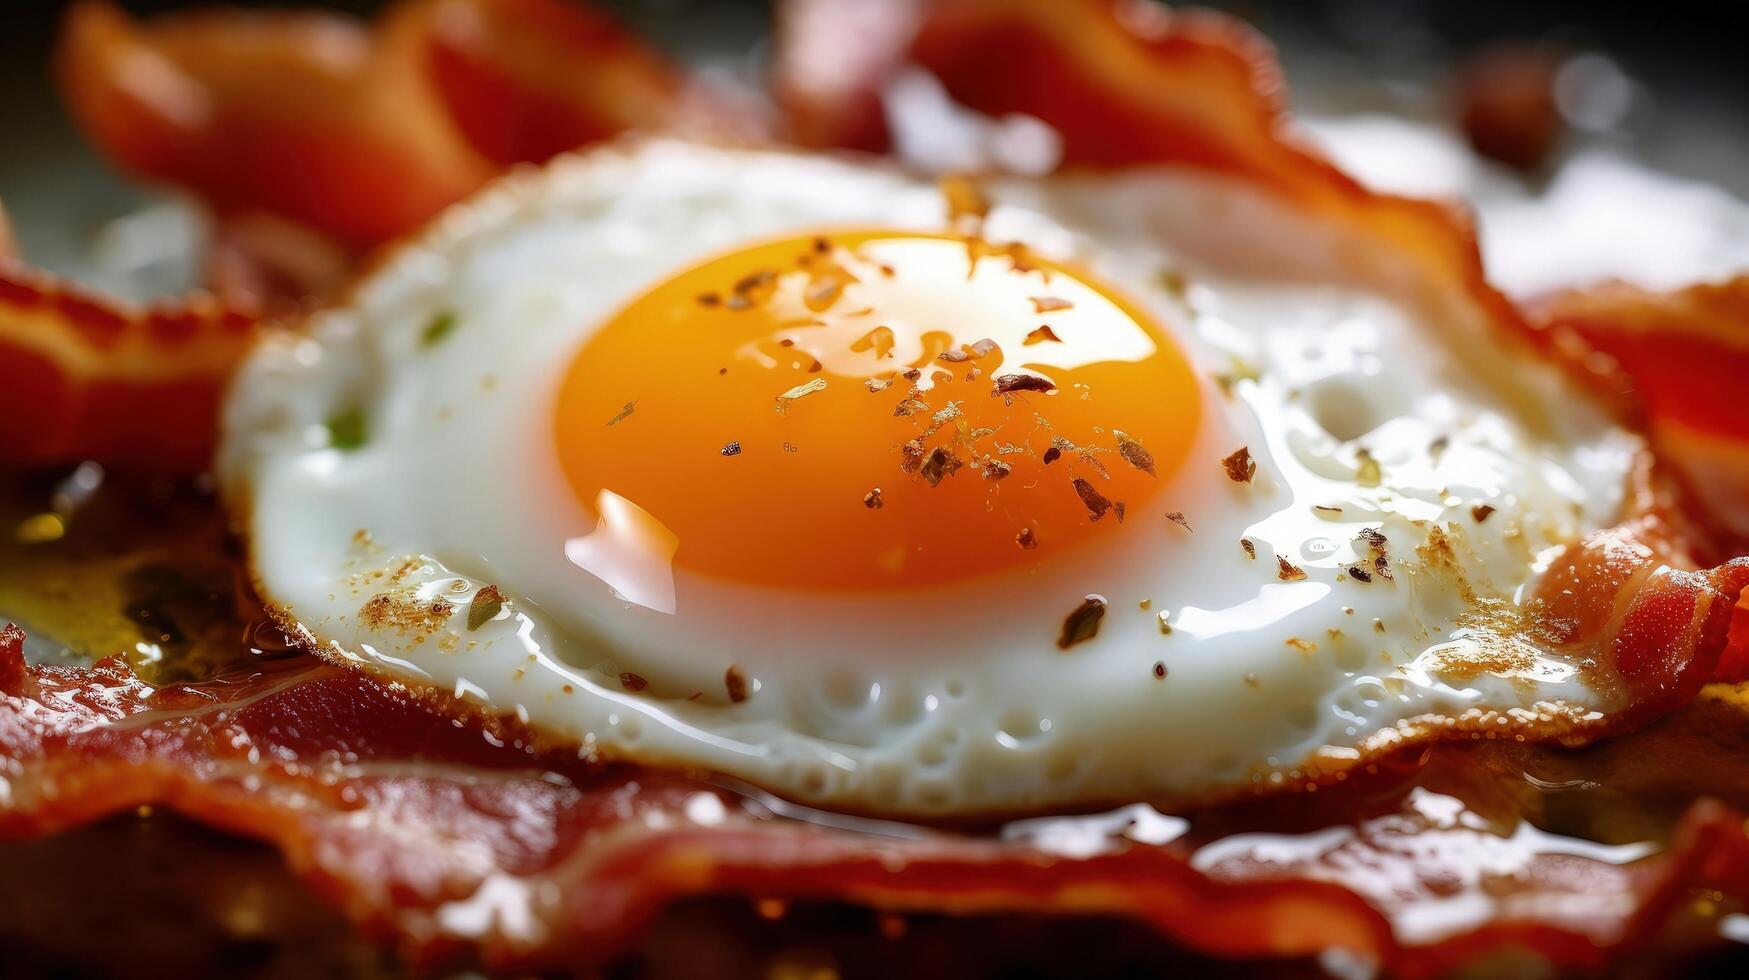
(86, 378)
(452, 839)
(1682, 357)
(360, 132)
(1124, 84)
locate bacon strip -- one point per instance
(85, 378)
(453, 840)
(1123, 84)
(1682, 357)
(361, 133)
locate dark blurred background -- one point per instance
(1686, 60)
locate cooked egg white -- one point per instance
(429, 489)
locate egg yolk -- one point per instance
(876, 410)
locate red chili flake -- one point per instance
(1159, 670)
(1250, 549)
(1287, 571)
(1045, 304)
(1052, 455)
(736, 683)
(1178, 519)
(1481, 511)
(1007, 383)
(1096, 502)
(632, 682)
(940, 465)
(1082, 624)
(1041, 335)
(732, 449)
(872, 499)
(1134, 454)
(1240, 466)
(1026, 539)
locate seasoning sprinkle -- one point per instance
(1250, 549)
(441, 326)
(1240, 467)
(623, 413)
(940, 464)
(1178, 519)
(732, 449)
(1026, 539)
(1096, 503)
(346, 431)
(632, 682)
(1159, 670)
(485, 607)
(1481, 511)
(1082, 624)
(799, 391)
(1288, 571)
(1134, 454)
(736, 684)
(1010, 383)
(872, 500)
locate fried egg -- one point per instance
(804, 471)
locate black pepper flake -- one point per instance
(821, 244)
(732, 449)
(872, 499)
(736, 684)
(1009, 383)
(1240, 466)
(1358, 572)
(995, 469)
(1026, 539)
(1134, 454)
(1178, 519)
(1250, 549)
(940, 464)
(1082, 624)
(1287, 571)
(1052, 455)
(1481, 511)
(623, 413)
(485, 607)
(1159, 670)
(632, 682)
(1097, 503)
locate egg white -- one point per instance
(953, 700)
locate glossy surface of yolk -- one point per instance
(834, 412)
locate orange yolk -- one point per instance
(876, 410)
